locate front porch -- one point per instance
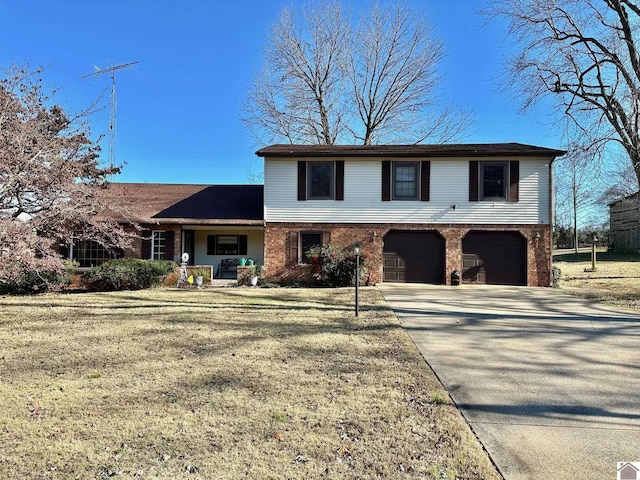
(223, 247)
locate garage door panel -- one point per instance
(416, 257)
(497, 258)
(473, 269)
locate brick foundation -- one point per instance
(276, 236)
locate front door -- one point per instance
(188, 243)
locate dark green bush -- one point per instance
(31, 281)
(127, 274)
(334, 266)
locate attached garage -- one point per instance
(497, 258)
(414, 257)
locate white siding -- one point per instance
(363, 196)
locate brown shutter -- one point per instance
(340, 180)
(292, 254)
(302, 181)
(242, 244)
(386, 181)
(211, 244)
(473, 181)
(145, 248)
(326, 238)
(425, 178)
(514, 180)
(169, 245)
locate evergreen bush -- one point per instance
(37, 281)
(127, 274)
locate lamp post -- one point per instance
(356, 252)
(593, 253)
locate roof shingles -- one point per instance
(418, 150)
(186, 204)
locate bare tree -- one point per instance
(577, 178)
(299, 94)
(394, 77)
(335, 81)
(50, 179)
(583, 54)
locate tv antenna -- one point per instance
(112, 105)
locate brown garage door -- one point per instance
(414, 257)
(497, 258)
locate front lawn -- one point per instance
(222, 384)
(616, 280)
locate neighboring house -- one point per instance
(418, 211)
(210, 222)
(624, 224)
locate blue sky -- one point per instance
(179, 109)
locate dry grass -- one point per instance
(616, 280)
(221, 384)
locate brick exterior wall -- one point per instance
(277, 234)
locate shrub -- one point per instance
(335, 266)
(127, 274)
(37, 281)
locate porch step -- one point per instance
(222, 282)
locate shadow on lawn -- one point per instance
(601, 257)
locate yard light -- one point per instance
(356, 252)
(593, 253)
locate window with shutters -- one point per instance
(300, 242)
(494, 181)
(406, 180)
(321, 180)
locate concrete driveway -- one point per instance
(549, 383)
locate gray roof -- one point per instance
(420, 150)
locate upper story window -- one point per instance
(320, 181)
(405, 180)
(494, 180)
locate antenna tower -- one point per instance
(113, 110)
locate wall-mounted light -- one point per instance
(374, 235)
(536, 239)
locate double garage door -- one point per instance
(487, 257)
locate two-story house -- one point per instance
(418, 211)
